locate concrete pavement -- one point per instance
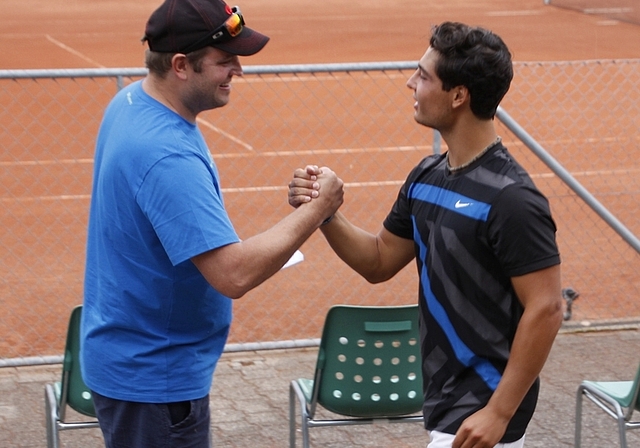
(249, 399)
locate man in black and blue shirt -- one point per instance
(484, 243)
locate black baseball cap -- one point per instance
(183, 26)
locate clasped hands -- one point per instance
(317, 187)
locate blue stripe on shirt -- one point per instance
(489, 374)
(450, 200)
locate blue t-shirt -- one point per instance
(153, 328)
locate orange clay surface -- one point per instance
(42, 34)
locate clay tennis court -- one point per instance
(97, 34)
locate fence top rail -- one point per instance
(249, 69)
(72, 73)
(271, 69)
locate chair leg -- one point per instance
(51, 417)
(578, 428)
(296, 393)
(292, 417)
(304, 422)
(616, 413)
(622, 430)
(305, 433)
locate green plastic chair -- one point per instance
(70, 391)
(617, 398)
(368, 369)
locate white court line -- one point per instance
(48, 162)
(238, 156)
(266, 188)
(200, 120)
(523, 12)
(209, 125)
(621, 10)
(62, 197)
(391, 183)
(219, 156)
(385, 183)
(314, 152)
(72, 51)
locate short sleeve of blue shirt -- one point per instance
(182, 200)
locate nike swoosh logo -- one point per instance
(462, 204)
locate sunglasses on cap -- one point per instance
(224, 33)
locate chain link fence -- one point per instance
(355, 118)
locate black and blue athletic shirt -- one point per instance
(473, 230)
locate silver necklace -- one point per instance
(480, 154)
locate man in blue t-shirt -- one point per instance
(163, 259)
(484, 244)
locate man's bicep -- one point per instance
(541, 287)
(396, 252)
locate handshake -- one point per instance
(316, 187)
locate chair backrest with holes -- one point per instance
(75, 392)
(369, 362)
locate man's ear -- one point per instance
(460, 96)
(179, 64)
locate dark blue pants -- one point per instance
(126, 424)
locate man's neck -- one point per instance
(469, 144)
(162, 91)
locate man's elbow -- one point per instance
(234, 288)
(554, 313)
(375, 278)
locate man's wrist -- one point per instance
(327, 221)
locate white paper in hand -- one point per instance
(296, 258)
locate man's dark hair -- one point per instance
(160, 63)
(476, 59)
